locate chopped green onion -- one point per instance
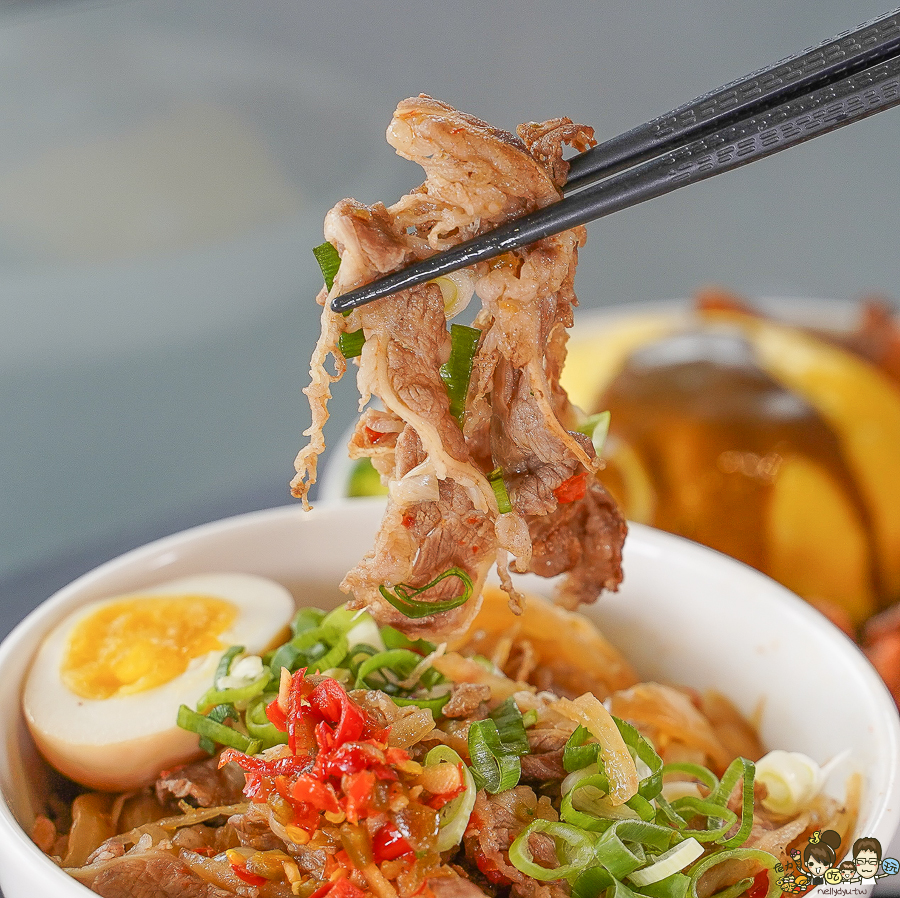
(351, 343)
(457, 370)
(454, 816)
(431, 700)
(650, 786)
(402, 662)
(675, 885)
(672, 861)
(593, 883)
(404, 599)
(218, 714)
(597, 428)
(579, 752)
(696, 771)
(305, 619)
(259, 726)
(585, 790)
(235, 695)
(226, 661)
(616, 856)
(621, 848)
(431, 691)
(495, 479)
(493, 767)
(529, 718)
(329, 261)
(510, 727)
(710, 810)
(394, 639)
(575, 846)
(739, 768)
(763, 858)
(364, 480)
(191, 720)
(317, 648)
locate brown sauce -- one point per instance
(712, 430)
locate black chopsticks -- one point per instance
(844, 80)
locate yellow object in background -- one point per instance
(759, 439)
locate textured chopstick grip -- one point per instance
(774, 129)
(842, 55)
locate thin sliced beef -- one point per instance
(451, 885)
(466, 699)
(154, 874)
(202, 783)
(443, 514)
(495, 823)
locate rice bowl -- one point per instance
(684, 614)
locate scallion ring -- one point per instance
(574, 850)
(191, 720)
(329, 262)
(493, 768)
(454, 816)
(456, 372)
(403, 597)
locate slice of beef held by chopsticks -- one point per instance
(443, 528)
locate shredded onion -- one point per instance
(418, 485)
(620, 767)
(457, 288)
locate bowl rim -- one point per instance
(886, 806)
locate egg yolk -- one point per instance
(136, 644)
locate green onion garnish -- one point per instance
(510, 727)
(495, 479)
(574, 850)
(351, 343)
(457, 370)
(403, 598)
(306, 619)
(669, 862)
(597, 428)
(317, 648)
(494, 767)
(712, 811)
(394, 639)
(235, 695)
(216, 732)
(387, 670)
(453, 817)
(651, 785)
(259, 726)
(400, 662)
(329, 261)
(224, 666)
(739, 768)
(579, 752)
(763, 858)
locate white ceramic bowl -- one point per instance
(684, 614)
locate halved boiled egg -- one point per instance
(103, 693)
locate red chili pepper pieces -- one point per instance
(252, 879)
(760, 887)
(389, 844)
(276, 716)
(342, 888)
(318, 794)
(573, 489)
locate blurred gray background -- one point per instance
(165, 166)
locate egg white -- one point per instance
(123, 742)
